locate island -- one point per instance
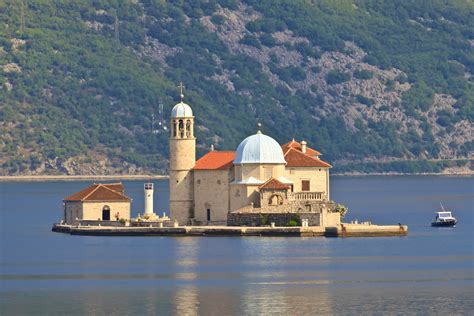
(262, 188)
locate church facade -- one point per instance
(259, 183)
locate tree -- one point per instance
(342, 210)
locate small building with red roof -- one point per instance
(98, 202)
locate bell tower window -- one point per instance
(181, 128)
(188, 128)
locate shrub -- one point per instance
(336, 77)
(250, 40)
(292, 223)
(363, 74)
(316, 69)
(218, 19)
(341, 209)
(263, 219)
(361, 99)
(267, 40)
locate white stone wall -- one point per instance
(261, 172)
(318, 177)
(93, 210)
(331, 219)
(211, 191)
(246, 194)
(73, 210)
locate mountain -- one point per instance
(87, 85)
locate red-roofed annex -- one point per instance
(98, 202)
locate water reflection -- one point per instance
(186, 298)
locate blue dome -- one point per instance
(181, 110)
(259, 149)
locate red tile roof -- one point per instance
(215, 160)
(274, 184)
(296, 145)
(118, 187)
(295, 158)
(100, 192)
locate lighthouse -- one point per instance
(148, 191)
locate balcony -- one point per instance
(306, 196)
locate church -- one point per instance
(260, 183)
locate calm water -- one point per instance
(429, 271)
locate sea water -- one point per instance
(430, 271)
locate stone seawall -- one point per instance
(366, 230)
(314, 231)
(280, 219)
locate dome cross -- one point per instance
(181, 91)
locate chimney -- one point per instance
(303, 147)
(212, 147)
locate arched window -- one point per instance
(275, 199)
(175, 129)
(188, 128)
(181, 129)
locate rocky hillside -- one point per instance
(88, 85)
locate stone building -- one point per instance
(98, 202)
(261, 182)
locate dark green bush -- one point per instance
(363, 74)
(336, 77)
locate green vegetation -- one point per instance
(336, 76)
(361, 99)
(404, 166)
(342, 210)
(363, 74)
(85, 87)
(263, 219)
(292, 223)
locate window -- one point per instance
(181, 128)
(218, 181)
(208, 214)
(305, 185)
(188, 128)
(198, 181)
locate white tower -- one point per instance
(182, 160)
(148, 190)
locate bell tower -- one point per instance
(182, 160)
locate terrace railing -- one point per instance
(306, 196)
